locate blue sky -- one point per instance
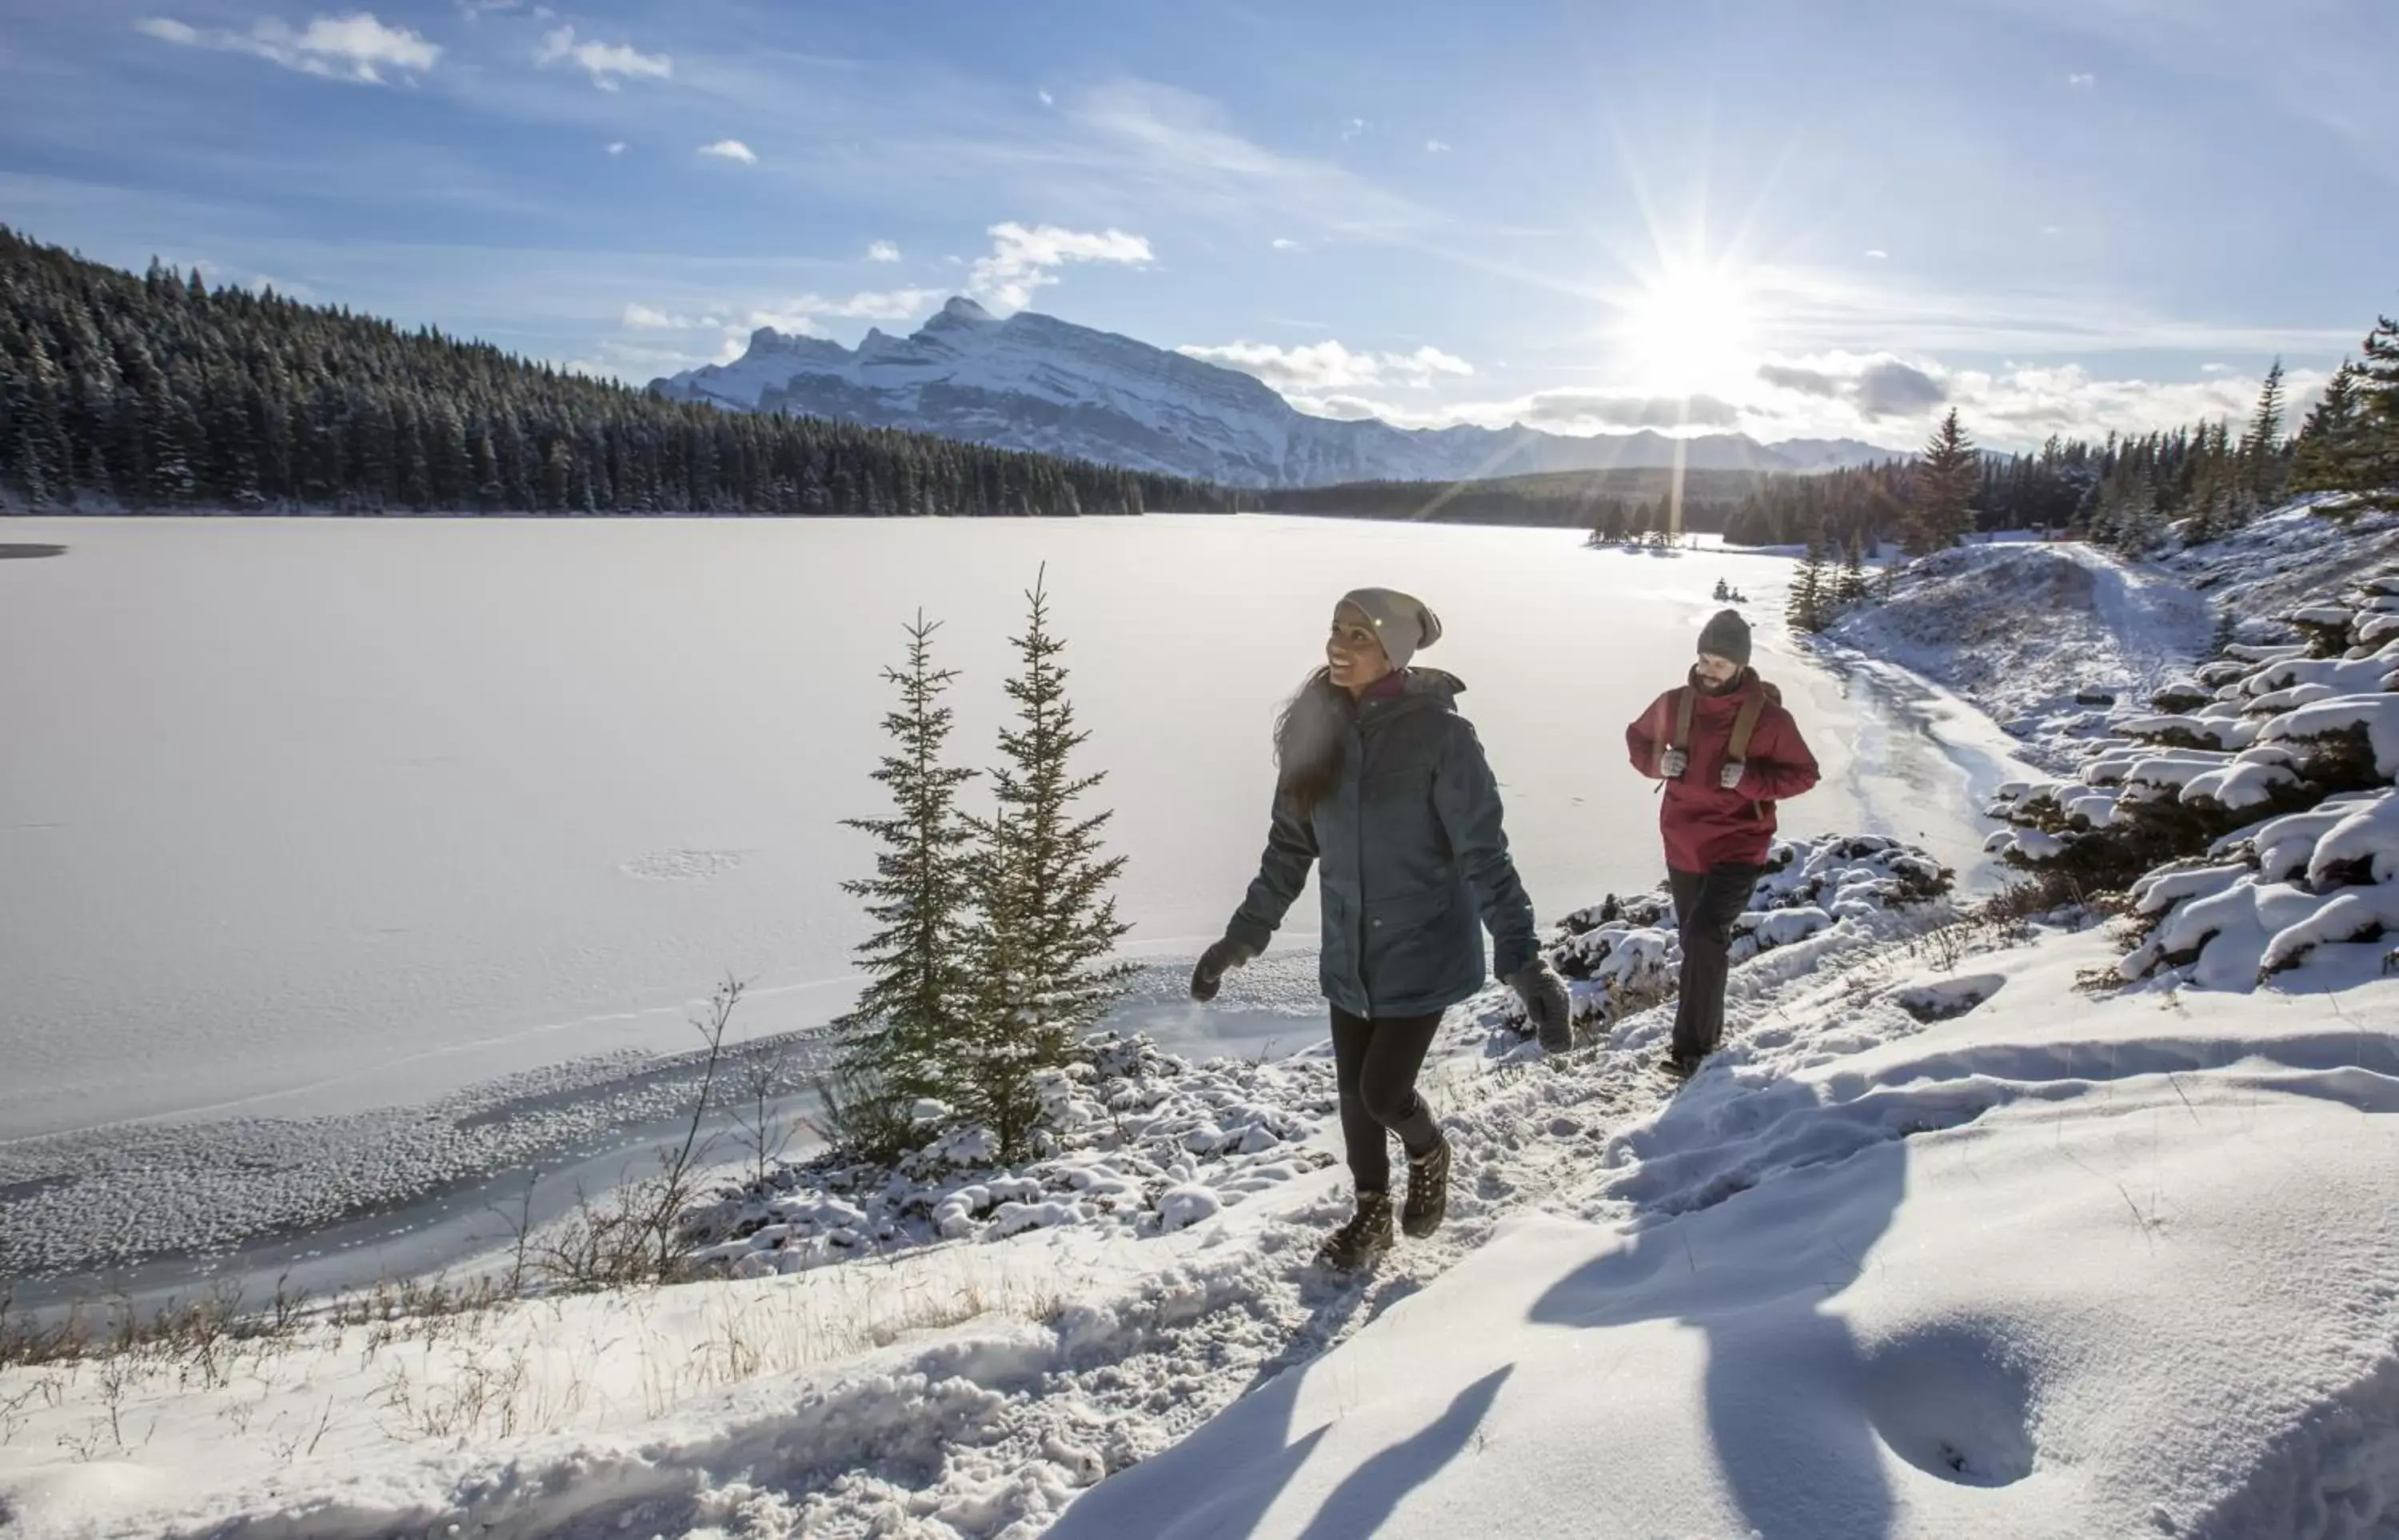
(1794, 219)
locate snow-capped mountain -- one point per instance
(1033, 382)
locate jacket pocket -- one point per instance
(1412, 948)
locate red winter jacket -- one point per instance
(1705, 826)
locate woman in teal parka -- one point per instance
(1383, 786)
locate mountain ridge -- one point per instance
(1033, 382)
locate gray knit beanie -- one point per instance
(1727, 636)
(1402, 623)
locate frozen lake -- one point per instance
(306, 818)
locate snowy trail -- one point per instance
(988, 1431)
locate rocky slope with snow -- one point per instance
(1033, 382)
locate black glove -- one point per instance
(1546, 1002)
(1215, 962)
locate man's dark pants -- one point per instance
(1706, 903)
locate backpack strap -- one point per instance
(1745, 722)
(1681, 736)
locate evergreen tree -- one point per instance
(1808, 608)
(1941, 494)
(894, 1046)
(2321, 459)
(2261, 446)
(1046, 925)
(2374, 470)
(1851, 588)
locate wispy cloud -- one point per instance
(1352, 128)
(1284, 243)
(1023, 259)
(881, 304)
(1436, 147)
(1878, 253)
(1328, 365)
(882, 250)
(608, 64)
(1047, 100)
(1804, 310)
(616, 146)
(1168, 138)
(353, 47)
(2082, 80)
(731, 149)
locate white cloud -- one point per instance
(1878, 253)
(606, 63)
(1352, 128)
(804, 313)
(882, 250)
(1283, 243)
(1317, 367)
(1023, 259)
(641, 318)
(731, 149)
(2082, 80)
(617, 147)
(1875, 385)
(1436, 147)
(353, 47)
(1893, 399)
(1047, 100)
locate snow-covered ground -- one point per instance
(1964, 1235)
(2035, 634)
(355, 860)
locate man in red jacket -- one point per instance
(1727, 751)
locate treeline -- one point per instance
(2131, 492)
(157, 392)
(1620, 502)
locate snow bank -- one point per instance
(2298, 901)
(2044, 1272)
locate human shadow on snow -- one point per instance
(1230, 1472)
(1760, 1280)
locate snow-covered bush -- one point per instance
(2258, 829)
(1624, 953)
(1131, 1137)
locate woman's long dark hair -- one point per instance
(1307, 739)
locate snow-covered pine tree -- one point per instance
(895, 1047)
(1808, 606)
(1851, 586)
(1046, 925)
(1941, 493)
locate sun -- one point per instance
(1688, 327)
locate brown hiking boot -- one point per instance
(1366, 1237)
(1428, 1192)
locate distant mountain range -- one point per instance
(1035, 383)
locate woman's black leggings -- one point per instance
(1375, 1063)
